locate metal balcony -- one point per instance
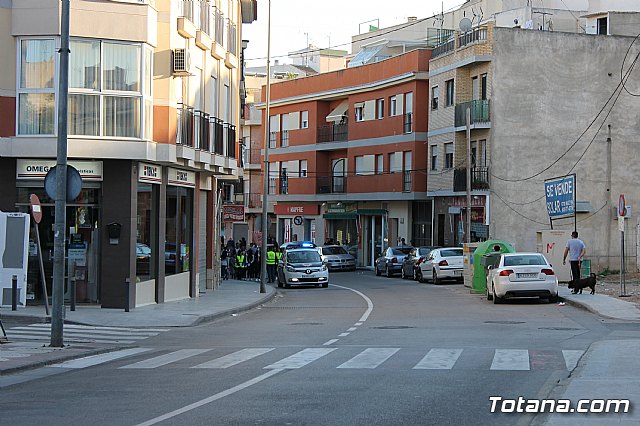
(479, 179)
(480, 112)
(333, 133)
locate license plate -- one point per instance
(528, 275)
(457, 272)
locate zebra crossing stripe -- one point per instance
(90, 361)
(72, 330)
(165, 359)
(75, 334)
(510, 359)
(369, 358)
(439, 359)
(78, 339)
(234, 358)
(300, 359)
(96, 327)
(571, 358)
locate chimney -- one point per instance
(412, 19)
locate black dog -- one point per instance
(581, 283)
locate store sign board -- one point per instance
(341, 208)
(38, 169)
(184, 178)
(233, 213)
(149, 173)
(297, 209)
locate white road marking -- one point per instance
(234, 358)
(571, 358)
(369, 302)
(511, 359)
(352, 329)
(369, 358)
(92, 331)
(330, 342)
(96, 327)
(358, 324)
(439, 359)
(210, 399)
(92, 360)
(165, 359)
(47, 337)
(300, 359)
(343, 334)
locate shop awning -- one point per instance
(350, 215)
(338, 112)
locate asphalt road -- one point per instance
(366, 351)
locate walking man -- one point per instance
(575, 249)
(271, 264)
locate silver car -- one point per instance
(302, 267)
(337, 258)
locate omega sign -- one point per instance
(38, 169)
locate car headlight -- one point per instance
(324, 267)
(291, 269)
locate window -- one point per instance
(304, 120)
(36, 97)
(179, 228)
(147, 236)
(302, 169)
(483, 86)
(393, 107)
(284, 137)
(379, 164)
(449, 86)
(475, 88)
(474, 152)
(359, 111)
(435, 93)
(380, 109)
(395, 162)
(448, 155)
(602, 26)
(359, 164)
(434, 157)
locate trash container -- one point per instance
(487, 254)
(585, 268)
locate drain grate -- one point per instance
(504, 322)
(306, 323)
(559, 328)
(393, 327)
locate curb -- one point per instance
(212, 317)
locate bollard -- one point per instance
(127, 284)
(14, 293)
(73, 294)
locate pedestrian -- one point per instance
(271, 264)
(241, 265)
(224, 264)
(575, 249)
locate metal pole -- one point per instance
(468, 236)
(127, 285)
(42, 275)
(57, 317)
(14, 293)
(609, 200)
(265, 173)
(72, 296)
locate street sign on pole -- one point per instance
(36, 212)
(622, 206)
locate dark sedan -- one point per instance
(391, 262)
(411, 264)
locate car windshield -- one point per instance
(401, 250)
(333, 250)
(306, 256)
(532, 259)
(451, 252)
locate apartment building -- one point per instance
(347, 156)
(153, 107)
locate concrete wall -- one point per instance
(547, 89)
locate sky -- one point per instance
(329, 23)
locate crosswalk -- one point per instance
(343, 358)
(83, 333)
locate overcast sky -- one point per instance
(329, 23)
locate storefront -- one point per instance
(298, 222)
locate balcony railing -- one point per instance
(201, 131)
(186, 9)
(216, 132)
(408, 123)
(231, 140)
(406, 181)
(184, 133)
(219, 19)
(477, 34)
(273, 137)
(285, 138)
(480, 112)
(333, 133)
(253, 200)
(232, 43)
(331, 184)
(205, 16)
(443, 48)
(479, 178)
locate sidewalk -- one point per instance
(230, 298)
(600, 304)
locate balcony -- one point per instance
(253, 200)
(331, 184)
(407, 181)
(230, 132)
(333, 133)
(479, 179)
(216, 131)
(443, 48)
(184, 133)
(480, 112)
(475, 35)
(232, 42)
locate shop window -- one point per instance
(179, 228)
(146, 238)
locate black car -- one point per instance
(391, 261)
(411, 263)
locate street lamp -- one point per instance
(265, 173)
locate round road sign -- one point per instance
(36, 209)
(622, 208)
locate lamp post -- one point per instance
(265, 173)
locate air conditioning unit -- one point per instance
(181, 61)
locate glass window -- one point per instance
(380, 109)
(379, 164)
(121, 69)
(121, 116)
(36, 114)
(449, 84)
(448, 155)
(146, 240)
(37, 64)
(392, 106)
(84, 117)
(435, 94)
(359, 164)
(179, 227)
(434, 157)
(303, 168)
(359, 112)
(304, 120)
(84, 64)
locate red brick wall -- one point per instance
(8, 117)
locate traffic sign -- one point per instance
(622, 208)
(36, 209)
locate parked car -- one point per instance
(391, 261)
(143, 257)
(411, 264)
(302, 266)
(442, 264)
(522, 275)
(337, 258)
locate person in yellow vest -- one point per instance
(271, 264)
(241, 265)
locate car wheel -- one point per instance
(419, 276)
(553, 299)
(496, 300)
(436, 280)
(388, 272)
(325, 285)
(378, 273)
(489, 295)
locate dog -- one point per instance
(576, 286)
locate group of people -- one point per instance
(237, 261)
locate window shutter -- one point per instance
(400, 104)
(294, 120)
(369, 110)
